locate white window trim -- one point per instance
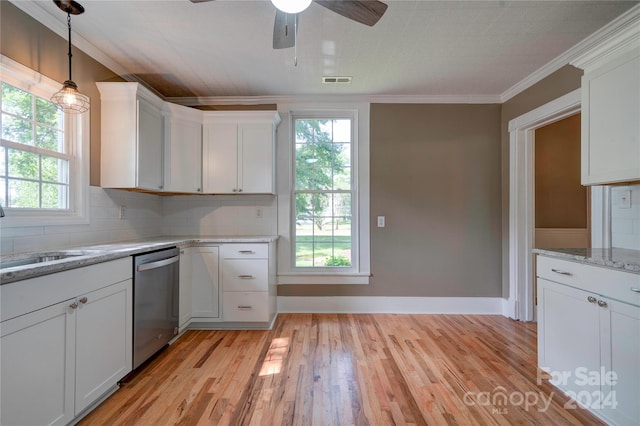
(77, 129)
(361, 271)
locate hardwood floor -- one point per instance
(325, 369)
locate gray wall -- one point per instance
(435, 175)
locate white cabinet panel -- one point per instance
(245, 274)
(103, 341)
(246, 307)
(150, 143)
(256, 170)
(220, 158)
(183, 149)
(205, 283)
(37, 372)
(186, 277)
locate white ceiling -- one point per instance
(427, 48)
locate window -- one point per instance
(323, 191)
(43, 166)
(34, 159)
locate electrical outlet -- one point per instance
(121, 215)
(259, 212)
(624, 199)
(381, 221)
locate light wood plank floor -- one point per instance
(347, 370)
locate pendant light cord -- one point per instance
(70, 55)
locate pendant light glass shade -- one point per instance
(68, 99)
(291, 6)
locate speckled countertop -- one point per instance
(617, 258)
(89, 255)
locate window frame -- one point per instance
(76, 135)
(359, 272)
(337, 115)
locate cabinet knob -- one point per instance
(161, 187)
(592, 299)
(234, 190)
(602, 303)
(240, 190)
(84, 300)
(199, 189)
(74, 305)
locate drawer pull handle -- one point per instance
(602, 303)
(245, 307)
(635, 290)
(247, 252)
(558, 271)
(246, 277)
(592, 299)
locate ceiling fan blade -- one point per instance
(366, 12)
(284, 29)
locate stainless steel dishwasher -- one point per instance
(155, 302)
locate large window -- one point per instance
(44, 163)
(34, 158)
(323, 191)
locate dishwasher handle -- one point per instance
(158, 264)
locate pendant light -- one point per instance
(69, 99)
(291, 6)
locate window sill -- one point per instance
(319, 278)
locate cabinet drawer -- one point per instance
(604, 281)
(245, 274)
(247, 306)
(245, 251)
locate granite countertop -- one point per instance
(616, 258)
(89, 255)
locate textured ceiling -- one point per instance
(223, 47)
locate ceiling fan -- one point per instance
(366, 12)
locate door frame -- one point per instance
(520, 302)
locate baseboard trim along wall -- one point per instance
(391, 305)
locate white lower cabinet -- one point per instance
(205, 287)
(589, 336)
(38, 361)
(62, 349)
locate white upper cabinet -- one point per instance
(239, 152)
(132, 137)
(611, 110)
(183, 149)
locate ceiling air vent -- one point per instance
(336, 80)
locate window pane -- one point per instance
(55, 170)
(3, 162)
(304, 254)
(342, 130)
(17, 130)
(322, 252)
(47, 113)
(49, 138)
(54, 196)
(23, 194)
(3, 194)
(16, 101)
(342, 205)
(23, 164)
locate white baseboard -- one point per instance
(391, 305)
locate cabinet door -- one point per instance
(37, 367)
(186, 268)
(621, 355)
(103, 341)
(205, 287)
(220, 158)
(568, 334)
(611, 129)
(183, 157)
(255, 169)
(150, 141)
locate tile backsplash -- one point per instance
(625, 221)
(147, 215)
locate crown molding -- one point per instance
(623, 23)
(382, 99)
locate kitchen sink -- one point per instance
(34, 258)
